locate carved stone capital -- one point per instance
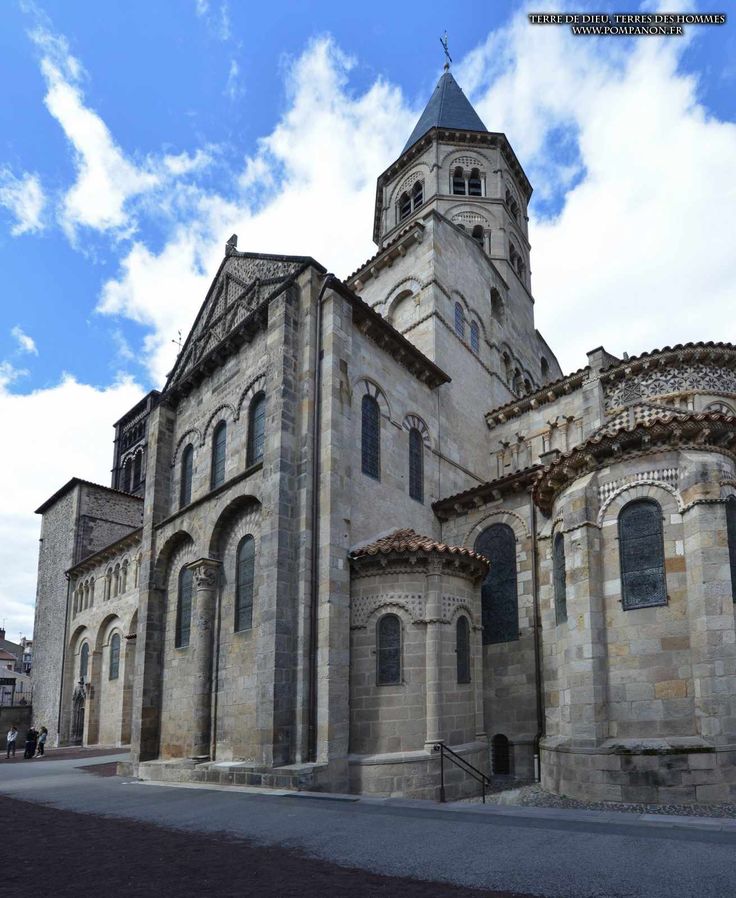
(205, 572)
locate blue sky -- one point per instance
(136, 136)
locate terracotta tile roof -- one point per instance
(408, 540)
(695, 347)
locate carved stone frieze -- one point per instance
(702, 377)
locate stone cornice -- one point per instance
(708, 431)
(478, 496)
(124, 544)
(682, 352)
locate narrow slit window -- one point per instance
(475, 337)
(559, 577)
(477, 235)
(462, 648)
(219, 443)
(371, 437)
(417, 195)
(244, 580)
(185, 485)
(731, 534)
(84, 661)
(459, 321)
(388, 638)
(256, 428)
(184, 608)
(404, 206)
(416, 465)
(114, 657)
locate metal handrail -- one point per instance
(464, 765)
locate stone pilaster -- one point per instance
(587, 664)
(711, 615)
(205, 573)
(434, 650)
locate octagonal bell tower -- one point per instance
(451, 225)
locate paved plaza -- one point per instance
(212, 836)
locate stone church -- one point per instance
(367, 516)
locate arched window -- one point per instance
(185, 481)
(114, 656)
(459, 321)
(458, 182)
(137, 470)
(517, 383)
(244, 576)
(559, 577)
(507, 367)
(370, 443)
(475, 187)
(416, 465)
(499, 598)
(183, 608)
(404, 206)
(731, 535)
(545, 368)
(123, 580)
(256, 428)
(474, 336)
(462, 649)
(219, 443)
(388, 652)
(500, 755)
(477, 235)
(497, 311)
(417, 195)
(641, 551)
(84, 661)
(527, 385)
(128, 475)
(115, 581)
(108, 583)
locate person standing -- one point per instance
(10, 740)
(43, 736)
(31, 740)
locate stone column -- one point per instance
(433, 652)
(205, 571)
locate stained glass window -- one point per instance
(184, 608)
(185, 487)
(499, 598)
(115, 656)
(641, 550)
(474, 336)
(459, 321)
(244, 577)
(371, 437)
(416, 465)
(256, 428)
(219, 442)
(84, 661)
(388, 637)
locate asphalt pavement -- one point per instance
(546, 852)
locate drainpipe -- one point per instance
(314, 523)
(537, 640)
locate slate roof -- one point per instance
(448, 107)
(408, 540)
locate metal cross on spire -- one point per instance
(448, 58)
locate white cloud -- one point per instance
(58, 441)
(308, 190)
(25, 199)
(217, 18)
(234, 89)
(25, 342)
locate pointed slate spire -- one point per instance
(448, 107)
